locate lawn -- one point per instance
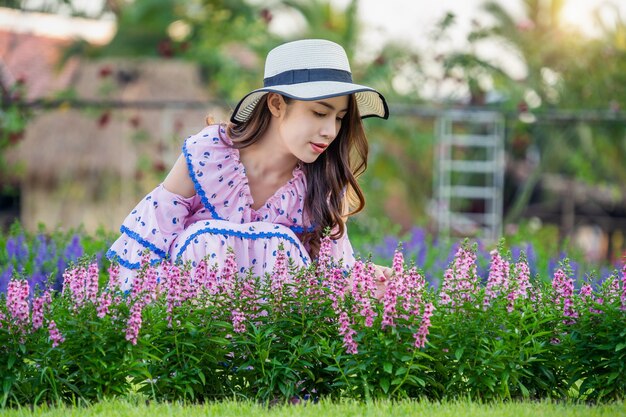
(327, 409)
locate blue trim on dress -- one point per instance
(135, 236)
(301, 229)
(114, 257)
(197, 186)
(244, 235)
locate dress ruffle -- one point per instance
(153, 225)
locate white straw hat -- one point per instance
(311, 69)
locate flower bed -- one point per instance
(315, 333)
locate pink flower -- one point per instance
(17, 302)
(114, 274)
(226, 282)
(238, 318)
(91, 282)
(498, 279)
(398, 263)
(613, 291)
(563, 292)
(189, 288)
(585, 291)
(363, 288)
(390, 300)
(424, 330)
(460, 281)
(104, 302)
(174, 291)
(623, 296)
(279, 276)
(519, 285)
(413, 294)
(37, 316)
(201, 273)
(74, 282)
(348, 334)
(324, 257)
(337, 285)
(133, 325)
(55, 335)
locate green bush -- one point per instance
(316, 332)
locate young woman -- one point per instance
(283, 171)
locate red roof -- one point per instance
(35, 59)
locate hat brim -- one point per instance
(369, 101)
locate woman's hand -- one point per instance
(382, 275)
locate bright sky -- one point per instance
(414, 18)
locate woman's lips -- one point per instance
(319, 147)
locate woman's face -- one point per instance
(307, 128)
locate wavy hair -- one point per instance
(333, 193)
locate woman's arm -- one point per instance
(178, 180)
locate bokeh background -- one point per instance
(97, 97)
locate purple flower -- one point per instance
(5, 277)
(17, 249)
(74, 250)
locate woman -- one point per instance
(282, 172)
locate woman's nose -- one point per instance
(329, 130)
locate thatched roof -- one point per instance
(71, 143)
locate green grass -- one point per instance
(327, 409)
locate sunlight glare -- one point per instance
(578, 15)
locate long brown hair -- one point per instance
(333, 192)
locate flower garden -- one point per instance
(490, 325)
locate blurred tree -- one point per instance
(564, 69)
(325, 21)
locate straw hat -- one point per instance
(311, 69)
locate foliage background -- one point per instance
(564, 115)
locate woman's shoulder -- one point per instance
(212, 136)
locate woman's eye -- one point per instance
(319, 114)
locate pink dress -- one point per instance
(218, 217)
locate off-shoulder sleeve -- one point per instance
(152, 225)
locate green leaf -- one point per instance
(388, 367)
(11, 361)
(620, 346)
(397, 381)
(384, 384)
(401, 370)
(458, 353)
(416, 381)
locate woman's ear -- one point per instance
(276, 104)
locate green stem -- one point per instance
(406, 375)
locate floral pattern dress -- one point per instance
(218, 217)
